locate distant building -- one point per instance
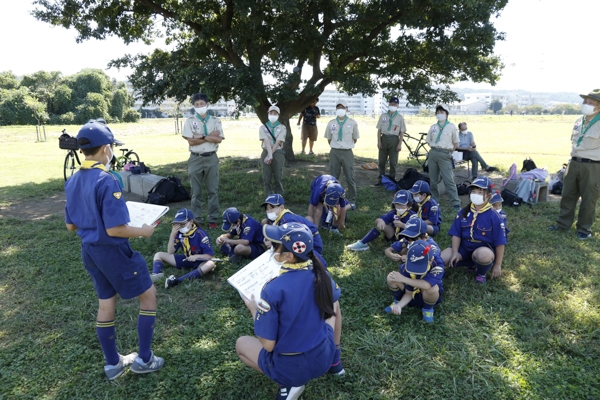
(471, 107)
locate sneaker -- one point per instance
(358, 246)
(289, 392)
(212, 225)
(337, 369)
(491, 169)
(115, 371)
(427, 315)
(311, 153)
(456, 208)
(157, 277)
(335, 231)
(153, 364)
(388, 309)
(480, 279)
(583, 235)
(171, 281)
(353, 206)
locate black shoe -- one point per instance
(379, 183)
(491, 169)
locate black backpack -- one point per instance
(511, 198)
(181, 193)
(409, 178)
(528, 165)
(463, 188)
(167, 190)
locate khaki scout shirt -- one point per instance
(589, 145)
(279, 132)
(193, 126)
(395, 127)
(349, 133)
(447, 139)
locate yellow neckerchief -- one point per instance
(306, 265)
(281, 214)
(416, 277)
(89, 164)
(421, 206)
(398, 229)
(486, 207)
(185, 242)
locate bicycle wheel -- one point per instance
(132, 158)
(69, 169)
(421, 153)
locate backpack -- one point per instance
(389, 183)
(463, 188)
(167, 190)
(181, 193)
(526, 190)
(557, 188)
(409, 178)
(528, 165)
(511, 198)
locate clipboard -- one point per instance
(250, 280)
(143, 213)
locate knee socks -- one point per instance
(397, 293)
(108, 341)
(482, 269)
(146, 319)
(157, 267)
(372, 235)
(191, 275)
(227, 249)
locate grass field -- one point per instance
(532, 334)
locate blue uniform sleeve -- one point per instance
(336, 290)
(389, 217)
(435, 275)
(399, 245)
(67, 218)
(266, 321)
(431, 212)
(203, 244)
(252, 231)
(315, 196)
(177, 242)
(456, 228)
(110, 200)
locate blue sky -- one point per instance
(551, 46)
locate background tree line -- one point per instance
(51, 98)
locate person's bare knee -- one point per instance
(148, 299)
(106, 308)
(242, 250)
(207, 267)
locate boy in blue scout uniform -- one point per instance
(391, 223)
(96, 209)
(427, 208)
(251, 240)
(327, 195)
(277, 214)
(496, 202)
(416, 229)
(197, 252)
(390, 131)
(478, 234)
(272, 135)
(295, 316)
(418, 283)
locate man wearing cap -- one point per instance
(443, 140)
(342, 133)
(390, 131)
(467, 145)
(203, 133)
(272, 135)
(309, 126)
(277, 214)
(96, 209)
(250, 242)
(582, 179)
(327, 195)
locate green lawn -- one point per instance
(534, 333)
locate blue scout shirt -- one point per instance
(196, 241)
(287, 216)
(401, 244)
(95, 203)
(434, 275)
(250, 230)
(486, 229)
(392, 216)
(318, 188)
(430, 211)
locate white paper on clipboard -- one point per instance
(143, 213)
(251, 279)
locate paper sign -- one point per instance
(457, 155)
(251, 279)
(143, 213)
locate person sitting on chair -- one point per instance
(467, 145)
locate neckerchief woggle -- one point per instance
(485, 208)
(187, 250)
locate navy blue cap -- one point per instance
(230, 217)
(483, 182)
(97, 133)
(402, 197)
(333, 193)
(295, 238)
(183, 215)
(496, 198)
(414, 227)
(274, 200)
(420, 187)
(394, 100)
(419, 258)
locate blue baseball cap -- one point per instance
(414, 227)
(496, 198)
(183, 215)
(295, 238)
(333, 193)
(420, 187)
(394, 100)
(274, 200)
(230, 216)
(98, 135)
(418, 259)
(402, 197)
(483, 182)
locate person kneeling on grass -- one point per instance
(419, 282)
(197, 251)
(328, 205)
(478, 235)
(251, 239)
(426, 207)
(391, 223)
(295, 316)
(416, 229)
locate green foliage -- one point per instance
(534, 109)
(8, 80)
(131, 115)
(496, 105)
(121, 101)
(568, 109)
(19, 107)
(94, 106)
(61, 101)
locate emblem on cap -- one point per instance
(299, 247)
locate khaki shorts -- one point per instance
(310, 131)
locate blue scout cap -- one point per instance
(97, 133)
(394, 100)
(419, 258)
(483, 182)
(414, 227)
(230, 216)
(402, 197)
(296, 238)
(333, 193)
(183, 215)
(496, 198)
(274, 200)
(420, 187)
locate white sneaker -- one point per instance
(157, 277)
(115, 371)
(153, 364)
(335, 231)
(358, 246)
(289, 392)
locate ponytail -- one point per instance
(323, 291)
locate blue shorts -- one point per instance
(257, 250)
(116, 269)
(181, 262)
(436, 229)
(467, 254)
(417, 301)
(297, 370)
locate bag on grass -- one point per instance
(409, 178)
(389, 183)
(511, 198)
(162, 193)
(526, 190)
(463, 188)
(181, 193)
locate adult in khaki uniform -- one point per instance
(390, 131)
(443, 140)
(204, 133)
(582, 179)
(272, 134)
(342, 133)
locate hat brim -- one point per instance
(418, 268)
(226, 226)
(331, 203)
(178, 221)
(271, 232)
(587, 96)
(118, 142)
(271, 203)
(411, 233)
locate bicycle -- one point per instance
(421, 147)
(68, 142)
(127, 157)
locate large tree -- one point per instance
(257, 51)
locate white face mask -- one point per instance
(280, 263)
(498, 210)
(201, 110)
(340, 112)
(441, 117)
(392, 108)
(401, 210)
(587, 109)
(184, 229)
(273, 118)
(476, 199)
(417, 198)
(109, 161)
(272, 216)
